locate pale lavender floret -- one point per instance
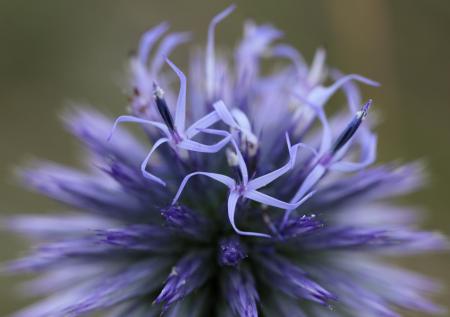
(330, 154)
(143, 77)
(249, 188)
(176, 135)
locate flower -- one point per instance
(146, 238)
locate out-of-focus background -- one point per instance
(54, 52)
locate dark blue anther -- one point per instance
(351, 128)
(163, 110)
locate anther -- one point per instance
(351, 128)
(233, 162)
(158, 95)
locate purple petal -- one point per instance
(210, 54)
(225, 114)
(204, 148)
(398, 240)
(93, 128)
(45, 227)
(123, 119)
(228, 181)
(202, 123)
(300, 225)
(187, 275)
(317, 70)
(180, 112)
(144, 163)
(287, 51)
(240, 292)
(232, 202)
(94, 193)
(139, 237)
(135, 280)
(264, 180)
(290, 279)
(149, 39)
(169, 43)
(320, 95)
(368, 185)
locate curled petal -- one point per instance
(284, 275)
(264, 180)
(228, 181)
(368, 157)
(313, 177)
(287, 51)
(122, 119)
(317, 69)
(147, 159)
(225, 114)
(202, 123)
(232, 202)
(204, 148)
(166, 47)
(320, 95)
(274, 202)
(210, 54)
(180, 112)
(149, 39)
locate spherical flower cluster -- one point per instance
(248, 199)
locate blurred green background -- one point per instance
(53, 52)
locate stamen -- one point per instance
(248, 141)
(351, 128)
(232, 158)
(233, 162)
(158, 95)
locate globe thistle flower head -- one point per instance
(248, 199)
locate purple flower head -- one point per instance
(248, 199)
